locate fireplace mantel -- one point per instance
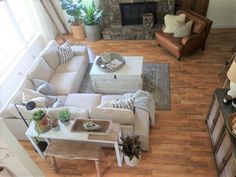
(112, 24)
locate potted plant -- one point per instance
(41, 121)
(91, 17)
(64, 116)
(131, 149)
(73, 9)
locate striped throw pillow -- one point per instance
(124, 104)
(65, 52)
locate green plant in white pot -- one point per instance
(131, 149)
(73, 9)
(91, 17)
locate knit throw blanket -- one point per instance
(144, 100)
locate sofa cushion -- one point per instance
(183, 30)
(83, 100)
(79, 50)
(122, 116)
(72, 65)
(50, 54)
(107, 98)
(63, 83)
(171, 21)
(40, 70)
(43, 87)
(65, 52)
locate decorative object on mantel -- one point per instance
(148, 20)
(98, 126)
(231, 124)
(110, 62)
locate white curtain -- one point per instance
(47, 28)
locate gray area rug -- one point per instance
(156, 80)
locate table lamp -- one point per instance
(231, 74)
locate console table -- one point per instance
(127, 79)
(64, 133)
(223, 143)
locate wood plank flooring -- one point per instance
(179, 143)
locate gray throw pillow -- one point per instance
(43, 87)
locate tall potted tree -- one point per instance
(91, 17)
(73, 9)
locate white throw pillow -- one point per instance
(171, 21)
(65, 52)
(43, 87)
(28, 94)
(183, 30)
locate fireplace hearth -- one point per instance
(123, 19)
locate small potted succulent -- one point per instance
(64, 116)
(131, 149)
(54, 124)
(41, 121)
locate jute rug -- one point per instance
(156, 80)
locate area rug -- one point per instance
(156, 80)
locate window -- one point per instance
(17, 29)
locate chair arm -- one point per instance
(190, 39)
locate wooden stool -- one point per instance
(72, 150)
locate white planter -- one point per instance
(133, 162)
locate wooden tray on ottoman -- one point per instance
(77, 127)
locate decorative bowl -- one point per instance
(231, 124)
(90, 126)
(110, 62)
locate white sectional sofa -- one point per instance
(65, 79)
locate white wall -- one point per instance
(19, 162)
(223, 13)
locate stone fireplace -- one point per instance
(123, 19)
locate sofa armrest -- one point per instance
(122, 116)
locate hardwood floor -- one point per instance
(179, 143)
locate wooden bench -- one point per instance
(72, 150)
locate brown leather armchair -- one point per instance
(186, 45)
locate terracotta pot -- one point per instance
(43, 125)
(133, 162)
(78, 31)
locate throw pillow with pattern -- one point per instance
(124, 104)
(65, 52)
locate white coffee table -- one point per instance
(65, 134)
(127, 79)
